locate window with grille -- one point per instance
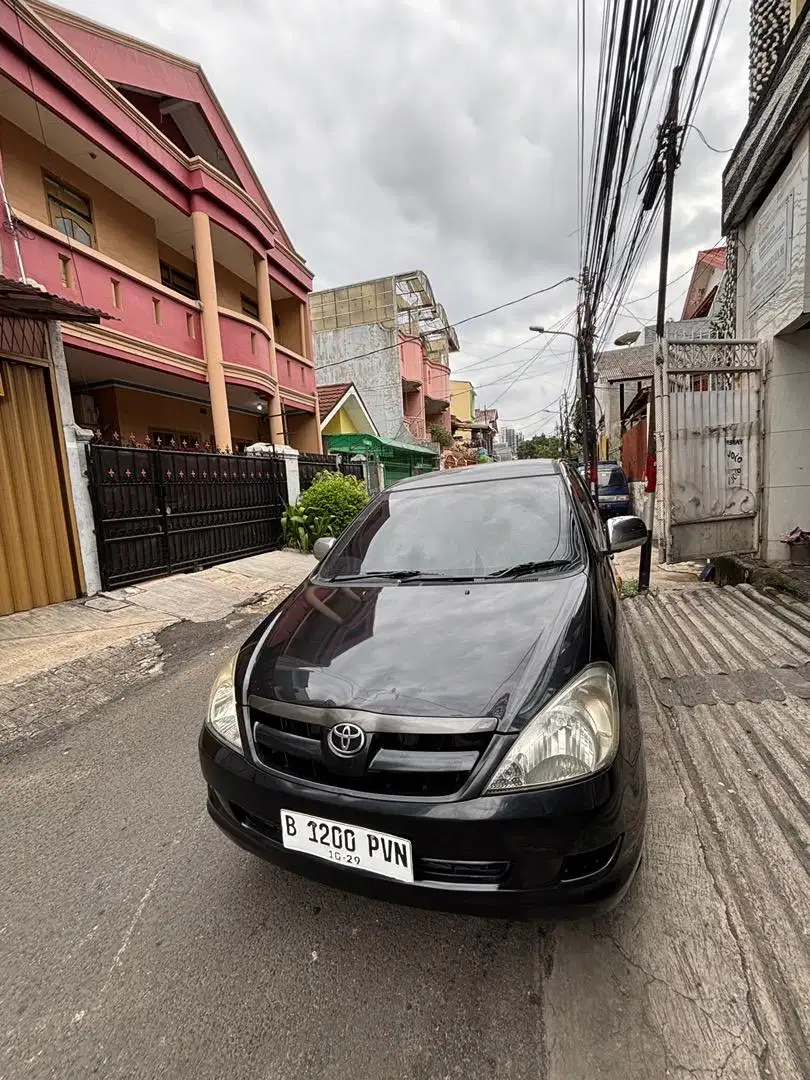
(70, 211)
(172, 278)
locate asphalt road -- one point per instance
(137, 942)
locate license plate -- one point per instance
(348, 845)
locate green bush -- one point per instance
(441, 436)
(331, 503)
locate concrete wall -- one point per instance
(462, 399)
(376, 376)
(772, 285)
(787, 442)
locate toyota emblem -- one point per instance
(346, 740)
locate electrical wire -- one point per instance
(453, 326)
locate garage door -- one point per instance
(37, 564)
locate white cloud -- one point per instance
(439, 134)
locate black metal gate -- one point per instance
(160, 511)
(309, 465)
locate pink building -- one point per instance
(126, 189)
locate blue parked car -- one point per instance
(614, 491)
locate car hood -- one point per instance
(485, 649)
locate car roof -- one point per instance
(471, 474)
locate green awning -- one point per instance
(376, 446)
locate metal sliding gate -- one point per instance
(709, 401)
(160, 511)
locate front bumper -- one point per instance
(615, 509)
(567, 851)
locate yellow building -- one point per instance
(462, 409)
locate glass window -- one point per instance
(172, 278)
(250, 307)
(465, 529)
(612, 477)
(70, 211)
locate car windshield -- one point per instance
(473, 529)
(612, 477)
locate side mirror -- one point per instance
(625, 533)
(322, 547)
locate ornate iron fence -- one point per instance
(160, 511)
(309, 465)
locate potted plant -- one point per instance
(798, 542)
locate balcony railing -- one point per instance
(144, 310)
(294, 372)
(417, 427)
(245, 342)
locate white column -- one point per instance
(76, 440)
(290, 456)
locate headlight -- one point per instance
(222, 717)
(575, 735)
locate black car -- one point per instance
(444, 713)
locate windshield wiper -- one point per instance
(530, 568)
(389, 575)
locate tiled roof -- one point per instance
(715, 257)
(486, 416)
(24, 299)
(330, 395)
(634, 362)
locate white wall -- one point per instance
(376, 375)
(787, 442)
(772, 282)
(773, 297)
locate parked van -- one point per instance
(614, 491)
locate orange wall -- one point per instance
(288, 331)
(123, 232)
(140, 413)
(302, 432)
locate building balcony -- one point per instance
(416, 426)
(295, 372)
(436, 381)
(150, 321)
(410, 363)
(245, 349)
(152, 324)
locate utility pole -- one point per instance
(668, 137)
(587, 390)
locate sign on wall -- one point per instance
(770, 257)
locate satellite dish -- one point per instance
(629, 338)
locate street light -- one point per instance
(553, 333)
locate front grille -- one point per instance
(408, 763)
(462, 873)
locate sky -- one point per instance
(440, 135)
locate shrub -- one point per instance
(441, 436)
(331, 503)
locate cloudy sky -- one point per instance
(439, 135)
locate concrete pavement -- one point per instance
(137, 942)
(57, 660)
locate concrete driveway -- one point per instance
(136, 942)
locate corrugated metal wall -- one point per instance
(37, 565)
(634, 451)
